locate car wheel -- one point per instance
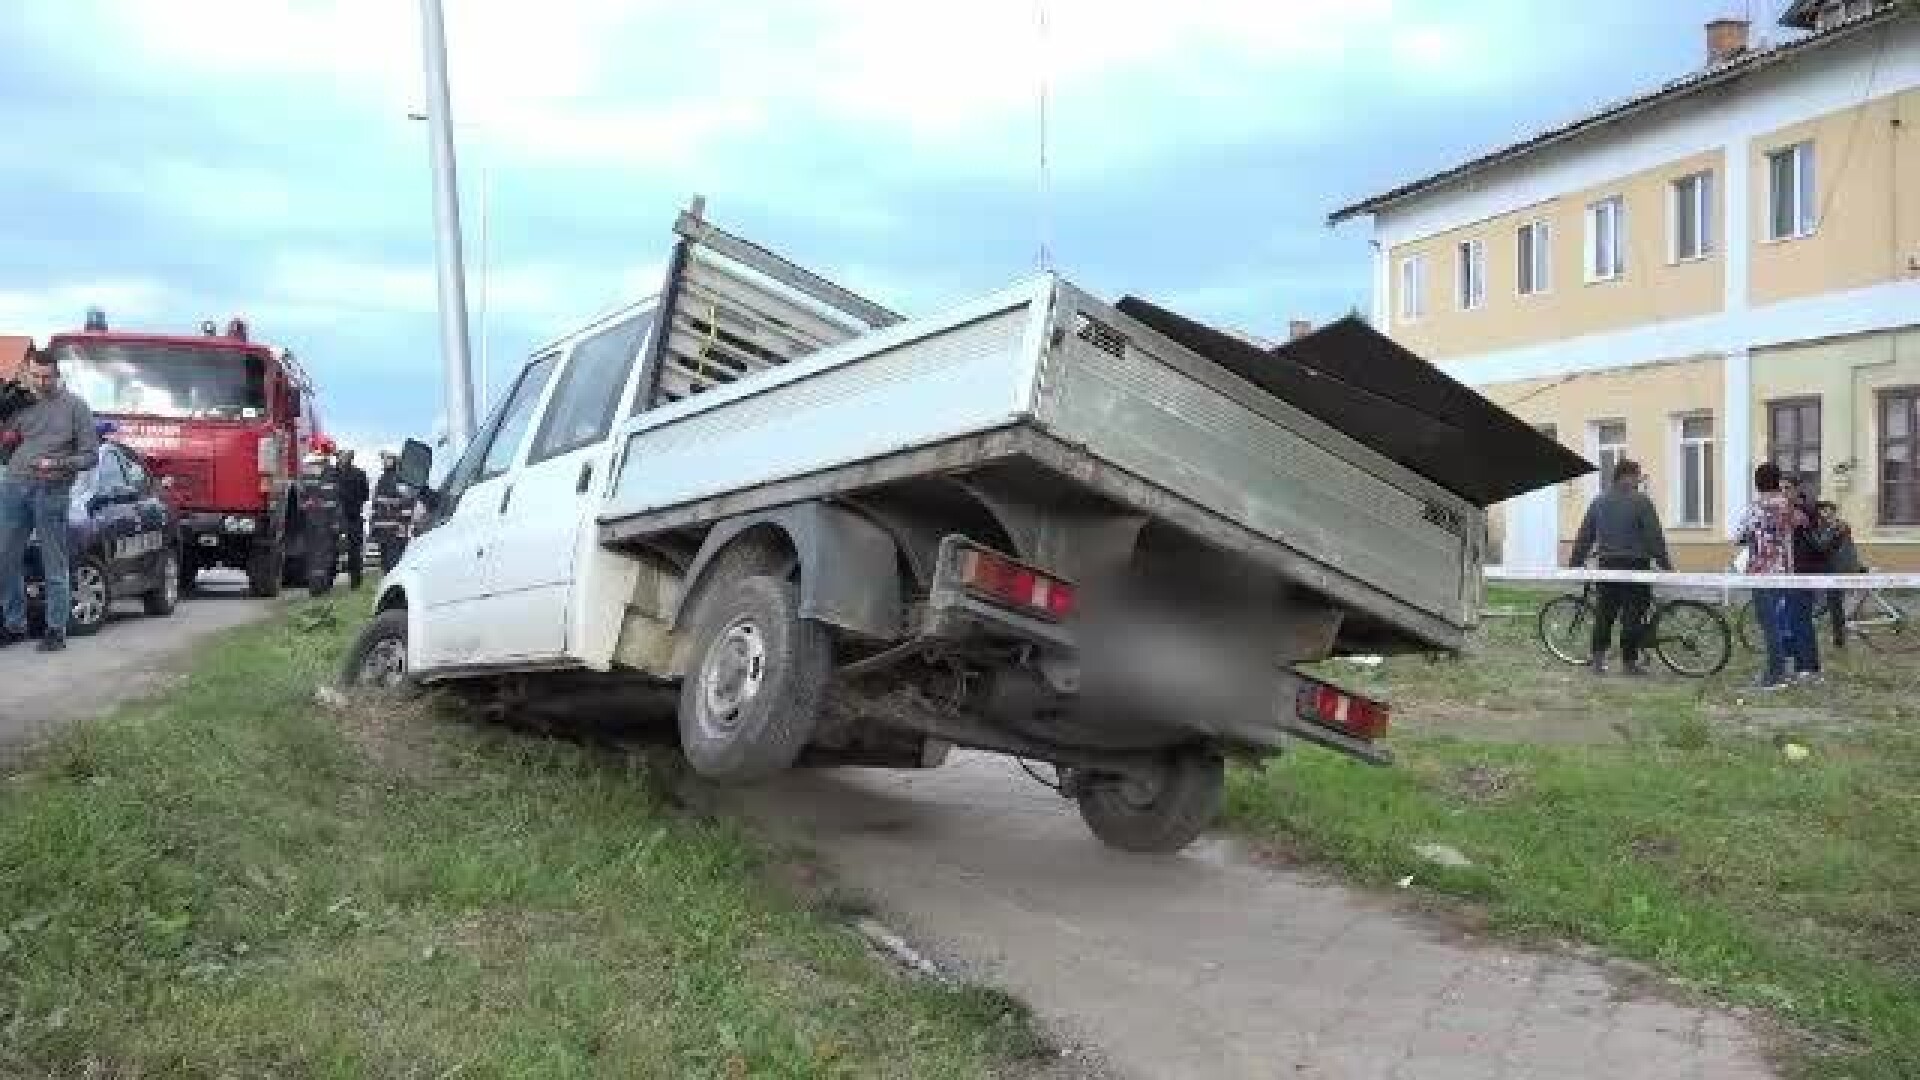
(165, 595)
(1159, 813)
(378, 660)
(758, 677)
(92, 597)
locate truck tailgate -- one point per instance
(1145, 404)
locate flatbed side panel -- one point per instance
(808, 418)
(1107, 393)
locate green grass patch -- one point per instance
(1665, 822)
(231, 881)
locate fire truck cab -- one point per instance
(225, 420)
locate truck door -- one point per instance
(452, 557)
(533, 560)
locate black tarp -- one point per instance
(1351, 377)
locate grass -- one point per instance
(231, 881)
(1668, 823)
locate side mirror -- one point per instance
(416, 464)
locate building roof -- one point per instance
(1708, 78)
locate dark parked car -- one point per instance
(124, 541)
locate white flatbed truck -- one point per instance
(1035, 524)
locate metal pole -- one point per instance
(446, 229)
(486, 372)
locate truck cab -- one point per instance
(223, 419)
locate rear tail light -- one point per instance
(1349, 714)
(1001, 579)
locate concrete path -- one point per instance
(130, 657)
(1208, 965)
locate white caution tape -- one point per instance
(1724, 581)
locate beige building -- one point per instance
(1719, 271)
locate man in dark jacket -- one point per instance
(1623, 529)
(392, 512)
(1834, 537)
(353, 505)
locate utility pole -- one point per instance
(451, 262)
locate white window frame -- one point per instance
(1533, 258)
(1603, 473)
(1614, 209)
(1413, 282)
(1701, 194)
(1803, 194)
(1471, 259)
(1708, 462)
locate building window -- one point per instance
(1609, 447)
(1535, 246)
(1693, 493)
(1900, 456)
(1791, 210)
(1473, 274)
(1606, 239)
(1693, 217)
(1793, 440)
(1413, 272)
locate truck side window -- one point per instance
(507, 436)
(589, 390)
(479, 454)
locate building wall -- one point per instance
(1648, 399)
(1653, 288)
(1867, 184)
(1846, 376)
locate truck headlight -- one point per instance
(242, 525)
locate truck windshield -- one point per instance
(165, 380)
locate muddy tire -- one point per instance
(378, 662)
(756, 677)
(1160, 815)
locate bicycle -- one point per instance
(1691, 638)
(1888, 621)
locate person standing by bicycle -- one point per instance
(1766, 531)
(1834, 536)
(1623, 529)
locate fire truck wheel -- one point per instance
(189, 573)
(263, 571)
(161, 599)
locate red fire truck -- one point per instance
(225, 420)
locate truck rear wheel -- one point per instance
(1162, 813)
(759, 672)
(264, 569)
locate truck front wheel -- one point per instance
(1159, 813)
(749, 702)
(263, 569)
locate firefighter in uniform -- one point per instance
(321, 511)
(392, 512)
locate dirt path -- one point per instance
(1209, 965)
(132, 656)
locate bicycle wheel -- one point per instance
(1566, 629)
(1746, 626)
(1888, 620)
(1691, 638)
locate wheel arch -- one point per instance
(845, 562)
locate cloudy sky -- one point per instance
(175, 160)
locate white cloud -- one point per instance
(624, 84)
(62, 307)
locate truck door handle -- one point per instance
(586, 478)
(506, 499)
